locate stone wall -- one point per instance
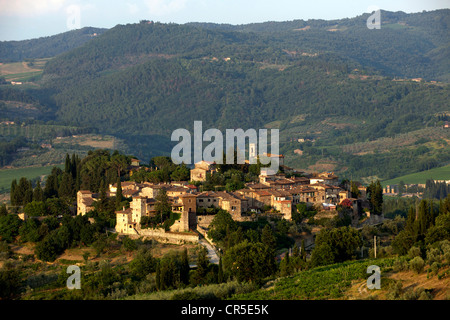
(167, 237)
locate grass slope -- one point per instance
(441, 173)
(322, 283)
(7, 175)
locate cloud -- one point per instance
(29, 7)
(132, 8)
(164, 7)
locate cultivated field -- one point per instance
(7, 175)
(441, 173)
(21, 71)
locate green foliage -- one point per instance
(147, 78)
(430, 226)
(321, 283)
(45, 47)
(221, 225)
(335, 245)
(10, 282)
(199, 276)
(417, 264)
(29, 231)
(129, 244)
(9, 227)
(248, 261)
(35, 209)
(143, 264)
(375, 197)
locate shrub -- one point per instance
(425, 296)
(435, 267)
(394, 291)
(414, 252)
(417, 264)
(433, 255)
(400, 264)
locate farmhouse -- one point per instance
(201, 169)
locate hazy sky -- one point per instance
(26, 19)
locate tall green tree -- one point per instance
(66, 189)
(13, 192)
(248, 262)
(184, 268)
(375, 197)
(335, 245)
(38, 193)
(119, 194)
(162, 205)
(425, 217)
(303, 250)
(68, 164)
(201, 271)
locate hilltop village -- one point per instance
(274, 195)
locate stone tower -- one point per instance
(138, 210)
(189, 215)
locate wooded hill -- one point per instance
(142, 81)
(44, 47)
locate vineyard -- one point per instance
(328, 282)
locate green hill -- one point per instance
(141, 81)
(441, 173)
(45, 47)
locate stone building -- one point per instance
(85, 201)
(201, 169)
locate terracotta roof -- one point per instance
(257, 186)
(262, 193)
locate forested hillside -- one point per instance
(336, 83)
(14, 51)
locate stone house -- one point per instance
(201, 169)
(281, 200)
(326, 193)
(85, 201)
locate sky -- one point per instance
(28, 19)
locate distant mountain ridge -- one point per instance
(45, 47)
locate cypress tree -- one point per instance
(66, 186)
(103, 199)
(296, 251)
(303, 251)
(13, 194)
(202, 266)
(23, 193)
(68, 164)
(184, 268)
(3, 210)
(73, 166)
(220, 273)
(119, 195)
(158, 276)
(51, 187)
(425, 218)
(38, 193)
(28, 195)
